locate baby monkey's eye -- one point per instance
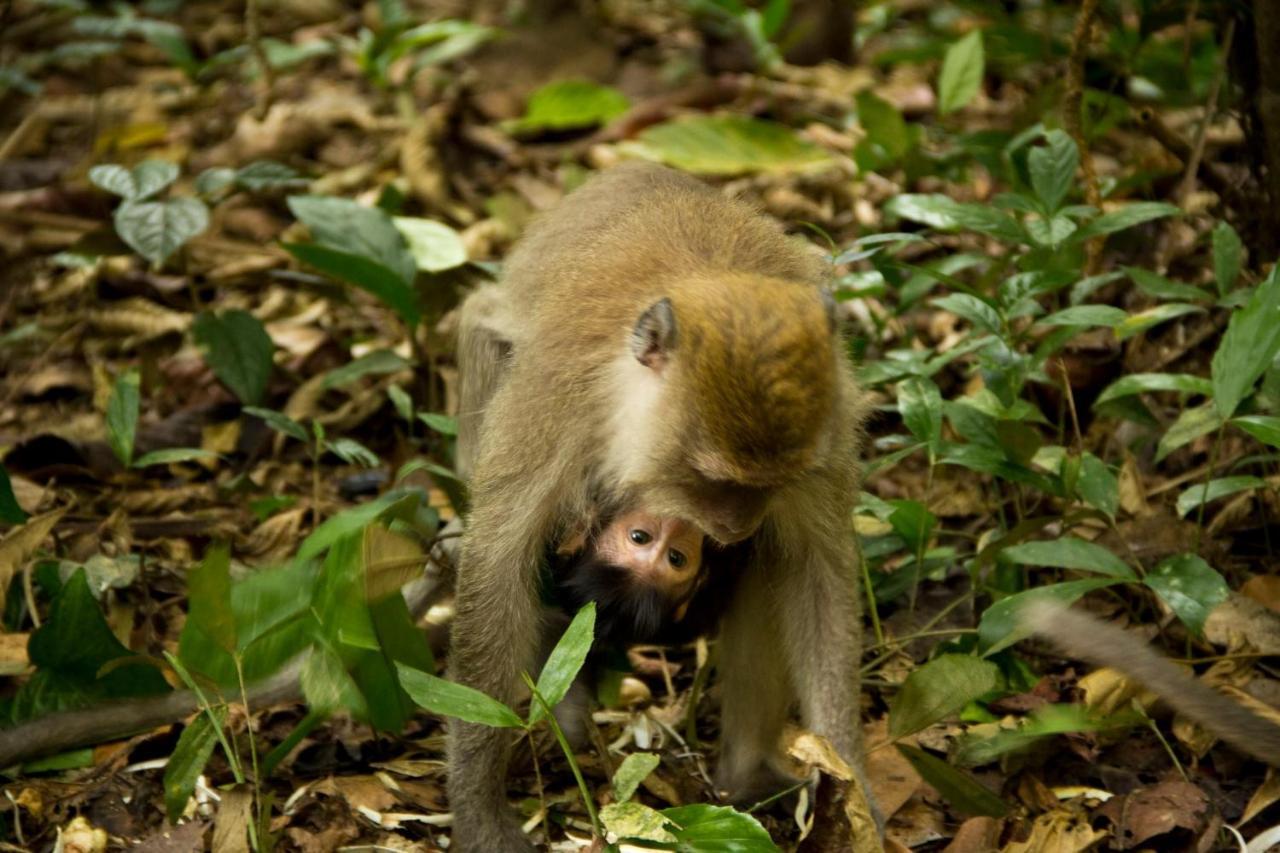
(676, 558)
(641, 537)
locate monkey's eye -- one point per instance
(676, 558)
(640, 537)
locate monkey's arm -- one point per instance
(1093, 640)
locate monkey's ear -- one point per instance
(829, 303)
(654, 335)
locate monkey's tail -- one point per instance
(1095, 641)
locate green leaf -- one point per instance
(1085, 315)
(456, 700)
(1000, 626)
(122, 415)
(212, 181)
(1203, 493)
(1157, 285)
(972, 309)
(938, 689)
(956, 787)
(1125, 217)
(1154, 316)
(1053, 168)
(1265, 428)
(920, 404)
(1191, 588)
(352, 452)
(354, 229)
(564, 661)
(1189, 426)
(209, 599)
(636, 822)
(169, 455)
(238, 349)
(366, 274)
(569, 105)
(887, 137)
(268, 174)
(1050, 232)
(912, 521)
(725, 145)
(189, 758)
(10, 511)
(1249, 346)
(376, 363)
(1069, 553)
(718, 829)
(157, 229)
(1097, 485)
(137, 184)
(1228, 256)
(1045, 722)
(1143, 383)
(435, 246)
(635, 767)
(443, 424)
(940, 211)
(279, 422)
(328, 687)
(961, 74)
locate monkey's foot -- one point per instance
(753, 785)
(491, 835)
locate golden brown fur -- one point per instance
(746, 423)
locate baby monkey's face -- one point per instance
(665, 553)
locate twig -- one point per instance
(1072, 104)
(253, 33)
(1210, 108)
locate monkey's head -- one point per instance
(641, 571)
(734, 380)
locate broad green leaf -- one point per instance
(1265, 428)
(188, 760)
(564, 661)
(10, 511)
(1097, 485)
(1053, 168)
(972, 309)
(157, 229)
(888, 137)
(569, 105)
(938, 689)
(456, 700)
(1143, 383)
(912, 521)
(1189, 426)
(1154, 316)
(1157, 285)
(327, 686)
(1203, 493)
(725, 145)
(1050, 232)
(376, 363)
(1069, 553)
(940, 211)
(238, 349)
(170, 455)
(122, 415)
(958, 788)
(718, 829)
(346, 523)
(1125, 217)
(1045, 722)
(1085, 315)
(137, 184)
(364, 273)
(435, 246)
(352, 452)
(1249, 346)
(209, 599)
(1228, 255)
(354, 229)
(1000, 626)
(961, 75)
(213, 181)
(279, 422)
(443, 424)
(1191, 588)
(635, 767)
(636, 822)
(920, 404)
(268, 174)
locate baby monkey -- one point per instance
(642, 571)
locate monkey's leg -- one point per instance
(756, 693)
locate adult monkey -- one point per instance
(673, 351)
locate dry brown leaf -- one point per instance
(976, 835)
(1107, 691)
(139, 318)
(1241, 622)
(1063, 830)
(1149, 813)
(1264, 589)
(20, 543)
(1133, 494)
(390, 561)
(231, 826)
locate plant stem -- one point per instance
(573, 764)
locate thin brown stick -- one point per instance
(1188, 183)
(1072, 105)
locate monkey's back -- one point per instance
(621, 239)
